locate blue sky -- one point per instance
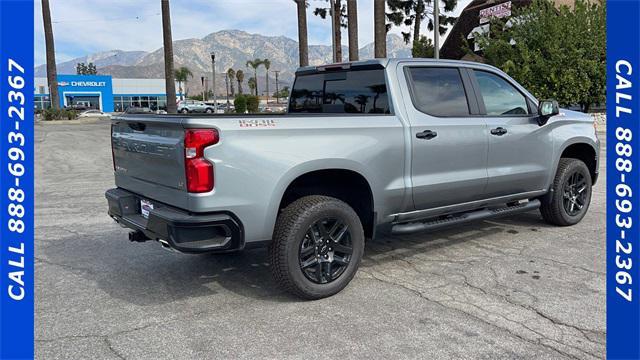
(83, 27)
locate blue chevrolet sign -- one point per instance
(96, 89)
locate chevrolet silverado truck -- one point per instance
(391, 145)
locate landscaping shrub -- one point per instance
(240, 104)
(252, 103)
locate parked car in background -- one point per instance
(194, 106)
(94, 113)
(139, 110)
(77, 107)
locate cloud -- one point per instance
(82, 28)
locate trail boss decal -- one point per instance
(256, 123)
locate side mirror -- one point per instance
(547, 109)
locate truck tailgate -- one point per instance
(148, 156)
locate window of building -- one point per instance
(41, 102)
(355, 91)
(500, 97)
(438, 91)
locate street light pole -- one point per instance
(213, 86)
(436, 29)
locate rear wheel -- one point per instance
(317, 247)
(185, 111)
(571, 194)
(209, 110)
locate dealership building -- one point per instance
(103, 92)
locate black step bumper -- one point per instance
(183, 231)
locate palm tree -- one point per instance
(362, 100)
(377, 89)
(337, 13)
(352, 23)
(231, 74)
(255, 64)
(52, 74)
(267, 64)
(168, 57)
(380, 29)
(182, 76)
(337, 22)
(303, 42)
(253, 85)
(240, 78)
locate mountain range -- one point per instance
(233, 48)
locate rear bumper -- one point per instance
(183, 231)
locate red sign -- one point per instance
(499, 11)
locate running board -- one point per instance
(461, 218)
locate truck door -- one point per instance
(449, 141)
(520, 150)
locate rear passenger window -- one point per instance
(500, 97)
(438, 91)
(355, 91)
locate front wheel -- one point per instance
(571, 194)
(317, 247)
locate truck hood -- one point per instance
(566, 114)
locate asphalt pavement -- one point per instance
(513, 288)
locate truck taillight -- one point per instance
(198, 170)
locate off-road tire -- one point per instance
(291, 226)
(553, 210)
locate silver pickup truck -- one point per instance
(393, 145)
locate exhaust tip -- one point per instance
(165, 245)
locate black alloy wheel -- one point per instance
(325, 251)
(568, 199)
(574, 195)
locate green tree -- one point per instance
(253, 85)
(231, 74)
(182, 75)
(253, 103)
(412, 12)
(283, 93)
(556, 53)
(240, 104)
(86, 69)
(255, 64)
(240, 79)
(81, 68)
(423, 48)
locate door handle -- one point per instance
(427, 135)
(498, 131)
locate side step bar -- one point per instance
(461, 218)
